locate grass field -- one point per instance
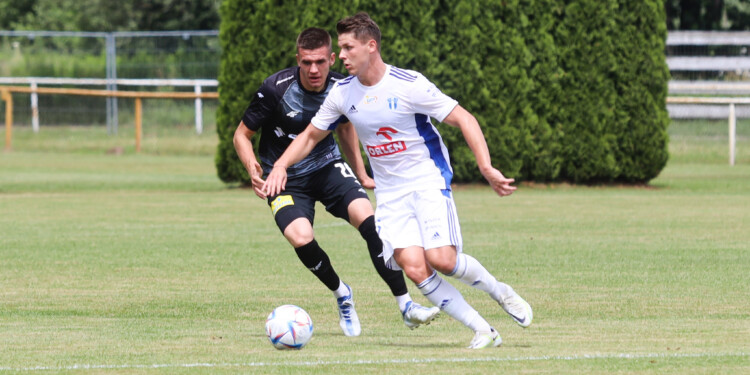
(147, 264)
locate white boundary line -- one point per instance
(378, 362)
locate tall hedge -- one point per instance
(585, 45)
(568, 90)
(257, 38)
(641, 117)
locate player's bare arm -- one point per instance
(244, 147)
(349, 143)
(297, 150)
(462, 119)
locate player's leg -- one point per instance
(400, 231)
(345, 198)
(299, 233)
(295, 222)
(451, 261)
(468, 270)
(413, 313)
(294, 214)
(471, 272)
(358, 210)
(441, 293)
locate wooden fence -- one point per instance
(137, 95)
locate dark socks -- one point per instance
(317, 261)
(394, 279)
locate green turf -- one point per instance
(147, 264)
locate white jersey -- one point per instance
(392, 119)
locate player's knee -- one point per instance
(299, 241)
(443, 268)
(443, 265)
(417, 273)
(299, 233)
(359, 211)
(442, 259)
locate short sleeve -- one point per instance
(429, 100)
(261, 108)
(329, 116)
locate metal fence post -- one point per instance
(198, 111)
(138, 124)
(111, 84)
(732, 133)
(8, 98)
(34, 108)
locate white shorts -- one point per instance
(423, 218)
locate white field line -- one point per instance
(378, 362)
(333, 224)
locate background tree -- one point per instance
(564, 89)
(738, 14)
(107, 15)
(708, 14)
(13, 10)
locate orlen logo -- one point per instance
(384, 132)
(388, 148)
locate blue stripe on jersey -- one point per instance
(433, 143)
(342, 119)
(403, 76)
(345, 81)
(403, 73)
(452, 232)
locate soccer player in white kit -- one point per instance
(415, 213)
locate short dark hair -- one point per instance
(363, 27)
(313, 38)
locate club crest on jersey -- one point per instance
(371, 99)
(386, 149)
(392, 103)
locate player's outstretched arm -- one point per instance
(462, 119)
(297, 150)
(244, 147)
(349, 143)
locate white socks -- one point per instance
(342, 291)
(402, 301)
(442, 294)
(473, 273)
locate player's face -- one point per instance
(355, 54)
(314, 65)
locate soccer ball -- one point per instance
(289, 327)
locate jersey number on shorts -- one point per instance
(346, 171)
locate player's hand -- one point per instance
(501, 184)
(255, 177)
(367, 182)
(275, 181)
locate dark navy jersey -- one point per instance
(282, 108)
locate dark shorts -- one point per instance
(333, 185)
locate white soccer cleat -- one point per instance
(415, 314)
(518, 309)
(348, 319)
(483, 340)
